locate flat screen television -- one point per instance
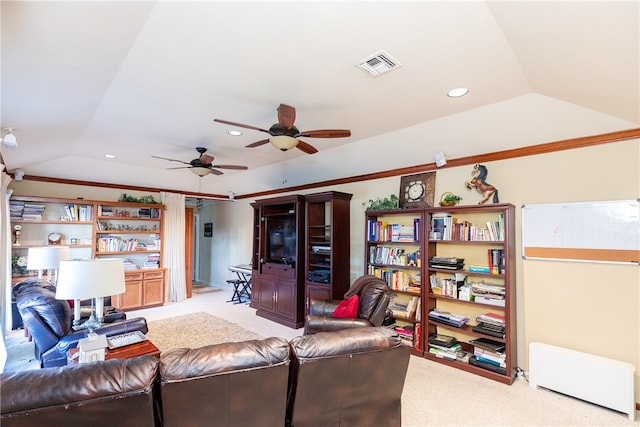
(281, 240)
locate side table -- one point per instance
(144, 348)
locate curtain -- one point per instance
(173, 245)
(5, 260)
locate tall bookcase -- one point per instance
(483, 236)
(394, 251)
(472, 277)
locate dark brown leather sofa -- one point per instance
(353, 377)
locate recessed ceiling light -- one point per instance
(110, 156)
(457, 92)
(235, 132)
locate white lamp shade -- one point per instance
(283, 142)
(200, 171)
(47, 257)
(85, 279)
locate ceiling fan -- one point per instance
(284, 134)
(202, 165)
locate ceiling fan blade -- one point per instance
(206, 159)
(257, 143)
(235, 167)
(215, 171)
(180, 167)
(286, 116)
(307, 148)
(226, 122)
(171, 160)
(326, 133)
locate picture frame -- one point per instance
(208, 229)
(417, 191)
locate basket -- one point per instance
(447, 202)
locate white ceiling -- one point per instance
(136, 79)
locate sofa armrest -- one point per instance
(322, 307)
(57, 355)
(314, 324)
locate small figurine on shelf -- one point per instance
(479, 174)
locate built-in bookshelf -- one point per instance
(393, 252)
(470, 289)
(95, 229)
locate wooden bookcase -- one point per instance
(98, 229)
(394, 252)
(466, 235)
(327, 246)
(389, 260)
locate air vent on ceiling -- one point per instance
(378, 63)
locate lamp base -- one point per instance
(92, 323)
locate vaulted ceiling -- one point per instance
(147, 78)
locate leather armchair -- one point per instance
(49, 322)
(373, 294)
(352, 377)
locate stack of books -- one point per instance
(447, 318)
(151, 261)
(489, 354)
(16, 208)
(485, 293)
(445, 347)
(406, 333)
(33, 211)
(490, 324)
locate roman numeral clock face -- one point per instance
(417, 190)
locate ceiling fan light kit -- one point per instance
(283, 142)
(200, 171)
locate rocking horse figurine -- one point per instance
(479, 174)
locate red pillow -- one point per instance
(348, 308)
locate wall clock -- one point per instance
(417, 190)
(55, 238)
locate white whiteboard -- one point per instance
(607, 231)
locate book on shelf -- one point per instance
(490, 357)
(479, 269)
(492, 318)
(488, 329)
(473, 360)
(443, 340)
(448, 318)
(489, 344)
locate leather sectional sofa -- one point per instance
(351, 377)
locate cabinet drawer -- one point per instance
(153, 275)
(133, 276)
(280, 271)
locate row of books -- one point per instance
(397, 280)
(394, 256)
(491, 324)
(117, 244)
(487, 354)
(112, 211)
(409, 334)
(380, 231)
(408, 308)
(78, 212)
(495, 258)
(446, 227)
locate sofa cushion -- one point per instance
(348, 308)
(230, 384)
(111, 393)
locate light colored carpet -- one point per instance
(201, 289)
(195, 330)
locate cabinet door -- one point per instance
(286, 299)
(267, 292)
(153, 292)
(132, 298)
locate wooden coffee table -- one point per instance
(144, 348)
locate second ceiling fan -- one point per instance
(284, 135)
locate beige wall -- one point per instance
(590, 307)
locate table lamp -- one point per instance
(47, 258)
(87, 279)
